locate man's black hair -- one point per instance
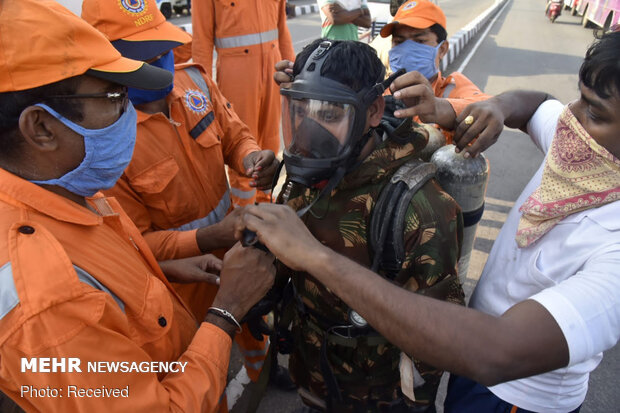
(600, 70)
(395, 5)
(12, 104)
(351, 63)
(439, 31)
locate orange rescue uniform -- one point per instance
(82, 284)
(176, 181)
(250, 37)
(458, 89)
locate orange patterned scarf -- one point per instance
(579, 174)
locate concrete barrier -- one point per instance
(305, 9)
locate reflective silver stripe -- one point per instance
(88, 279)
(246, 40)
(255, 353)
(197, 78)
(8, 292)
(448, 90)
(255, 366)
(243, 194)
(214, 216)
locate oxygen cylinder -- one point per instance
(436, 140)
(465, 179)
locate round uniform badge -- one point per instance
(133, 6)
(196, 101)
(410, 5)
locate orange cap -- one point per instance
(419, 14)
(135, 27)
(41, 42)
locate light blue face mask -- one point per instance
(138, 96)
(108, 152)
(410, 55)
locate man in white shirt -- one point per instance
(548, 302)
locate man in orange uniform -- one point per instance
(175, 188)
(78, 283)
(250, 36)
(419, 42)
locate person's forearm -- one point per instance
(518, 106)
(345, 16)
(444, 114)
(460, 340)
(169, 244)
(363, 20)
(213, 237)
(222, 324)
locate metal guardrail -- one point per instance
(367, 35)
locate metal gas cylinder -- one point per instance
(436, 140)
(465, 179)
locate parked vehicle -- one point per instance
(554, 9)
(572, 5)
(179, 5)
(165, 7)
(599, 13)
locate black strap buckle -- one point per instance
(348, 331)
(321, 50)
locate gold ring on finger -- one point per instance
(469, 120)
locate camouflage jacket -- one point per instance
(366, 369)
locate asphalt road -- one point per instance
(522, 50)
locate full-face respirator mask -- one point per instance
(323, 123)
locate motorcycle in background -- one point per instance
(554, 9)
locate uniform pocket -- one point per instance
(156, 178)
(155, 318)
(228, 14)
(169, 200)
(211, 133)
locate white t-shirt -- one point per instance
(573, 271)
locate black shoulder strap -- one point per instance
(387, 222)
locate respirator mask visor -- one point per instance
(316, 129)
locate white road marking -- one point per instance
(479, 42)
(235, 388)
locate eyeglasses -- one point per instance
(114, 97)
